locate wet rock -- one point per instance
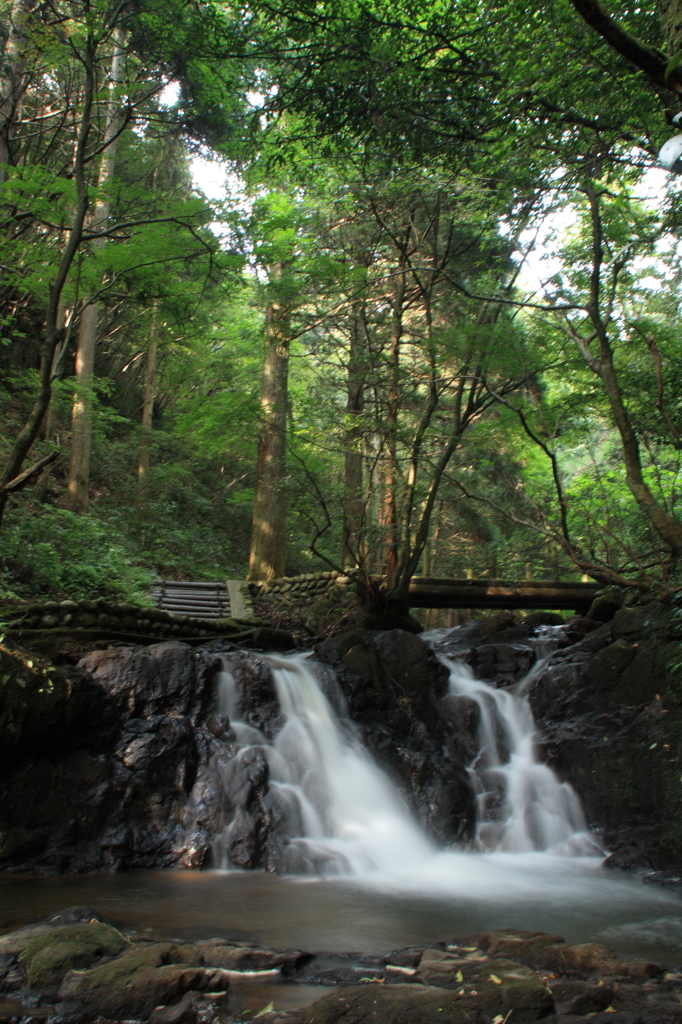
(497, 986)
(609, 719)
(256, 698)
(235, 956)
(17, 942)
(552, 953)
(345, 976)
(580, 997)
(47, 958)
(606, 604)
(543, 619)
(381, 1004)
(408, 956)
(510, 990)
(12, 945)
(145, 977)
(503, 664)
(628, 997)
(108, 787)
(184, 1012)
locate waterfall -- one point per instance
(522, 805)
(345, 816)
(354, 819)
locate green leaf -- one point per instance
(266, 1009)
(673, 63)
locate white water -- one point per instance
(522, 805)
(354, 820)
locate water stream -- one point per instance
(353, 820)
(522, 805)
(377, 881)
(378, 878)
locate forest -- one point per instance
(429, 324)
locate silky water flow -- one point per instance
(374, 880)
(351, 818)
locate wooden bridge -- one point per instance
(220, 600)
(433, 592)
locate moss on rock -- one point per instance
(49, 957)
(146, 976)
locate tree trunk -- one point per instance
(81, 415)
(353, 553)
(13, 80)
(670, 12)
(52, 331)
(667, 528)
(267, 557)
(392, 403)
(148, 409)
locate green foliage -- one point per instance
(57, 552)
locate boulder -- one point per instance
(552, 953)
(148, 975)
(233, 956)
(380, 1004)
(609, 717)
(580, 997)
(48, 957)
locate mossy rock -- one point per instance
(642, 622)
(605, 605)
(147, 975)
(75, 947)
(226, 625)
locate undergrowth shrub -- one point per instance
(53, 551)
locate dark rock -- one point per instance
(580, 997)
(642, 621)
(344, 976)
(606, 604)
(380, 1004)
(408, 956)
(184, 1012)
(508, 990)
(609, 716)
(552, 953)
(543, 619)
(503, 664)
(95, 751)
(236, 956)
(461, 716)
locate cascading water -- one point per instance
(344, 815)
(522, 806)
(353, 818)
